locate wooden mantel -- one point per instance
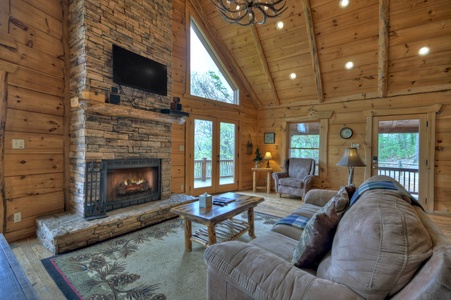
(113, 110)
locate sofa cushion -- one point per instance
(276, 243)
(379, 244)
(316, 239)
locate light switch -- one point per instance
(18, 144)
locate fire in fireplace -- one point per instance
(118, 183)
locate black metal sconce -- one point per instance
(250, 146)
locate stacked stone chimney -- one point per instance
(143, 27)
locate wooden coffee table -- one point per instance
(219, 222)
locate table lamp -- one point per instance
(267, 157)
(351, 159)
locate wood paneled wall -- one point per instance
(350, 114)
(33, 90)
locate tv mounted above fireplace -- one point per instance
(139, 72)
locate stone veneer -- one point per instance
(64, 232)
(143, 27)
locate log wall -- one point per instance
(350, 114)
(33, 90)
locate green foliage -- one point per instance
(394, 147)
(210, 85)
(258, 155)
(203, 142)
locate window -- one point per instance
(304, 141)
(207, 77)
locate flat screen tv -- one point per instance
(139, 72)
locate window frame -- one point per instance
(216, 59)
(290, 148)
(323, 118)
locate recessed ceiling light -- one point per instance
(343, 3)
(293, 76)
(279, 25)
(349, 65)
(424, 51)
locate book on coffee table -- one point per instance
(224, 199)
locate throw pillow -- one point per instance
(317, 236)
(320, 238)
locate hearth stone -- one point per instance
(64, 232)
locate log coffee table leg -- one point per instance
(188, 234)
(250, 221)
(211, 234)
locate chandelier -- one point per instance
(249, 12)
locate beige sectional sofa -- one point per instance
(383, 247)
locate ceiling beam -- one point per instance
(225, 54)
(264, 62)
(382, 68)
(314, 50)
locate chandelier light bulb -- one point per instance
(249, 12)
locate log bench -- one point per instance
(64, 232)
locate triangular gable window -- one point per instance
(208, 79)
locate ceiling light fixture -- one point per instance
(279, 25)
(349, 65)
(249, 12)
(424, 51)
(343, 3)
(293, 76)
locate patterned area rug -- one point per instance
(148, 264)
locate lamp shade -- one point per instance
(351, 158)
(267, 156)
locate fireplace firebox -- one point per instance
(118, 183)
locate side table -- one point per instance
(268, 179)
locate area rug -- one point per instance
(148, 264)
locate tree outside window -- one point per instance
(208, 79)
(304, 141)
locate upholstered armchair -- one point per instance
(297, 177)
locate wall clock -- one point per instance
(346, 132)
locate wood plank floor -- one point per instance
(30, 252)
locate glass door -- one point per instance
(397, 150)
(214, 155)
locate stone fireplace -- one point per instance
(116, 145)
(119, 183)
(100, 132)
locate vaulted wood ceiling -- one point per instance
(381, 38)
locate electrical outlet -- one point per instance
(182, 187)
(17, 217)
(18, 144)
(181, 148)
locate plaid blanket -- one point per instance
(386, 185)
(294, 220)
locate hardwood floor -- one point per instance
(30, 252)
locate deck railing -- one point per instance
(406, 176)
(202, 168)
